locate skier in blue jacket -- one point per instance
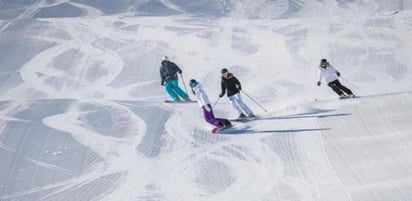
(168, 75)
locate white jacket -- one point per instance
(328, 73)
(201, 96)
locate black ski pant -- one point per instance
(338, 88)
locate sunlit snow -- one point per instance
(82, 112)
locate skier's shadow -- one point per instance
(281, 131)
(314, 114)
(305, 116)
(317, 113)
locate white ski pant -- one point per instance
(238, 104)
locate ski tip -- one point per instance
(219, 129)
(215, 130)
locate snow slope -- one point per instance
(82, 114)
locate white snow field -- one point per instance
(82, 112)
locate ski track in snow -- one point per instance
(384, 123)
(123, 144)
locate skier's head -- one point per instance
(323, 63)
(165, 59)
(193, 83)
(224, 70)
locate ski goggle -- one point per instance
(193, 84)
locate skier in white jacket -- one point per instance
(204, 103)
(330, 74)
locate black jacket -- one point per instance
(169, 71)
(230, 84)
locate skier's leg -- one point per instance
(335, 88)
(210, 117)
(244, 107)
(227, 122)
(241, 105)
(182, 94)
(343, 88)
(235, 104)
(169, 89)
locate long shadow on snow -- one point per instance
(298, 116)
(316, 113)
(283, 131)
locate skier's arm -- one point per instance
(177, 68)
(238, 85)
(162, 77)
(202, 98)
(320, 78)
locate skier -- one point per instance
(232, 85)
(204, 103)
(168, 75)
(330, 74)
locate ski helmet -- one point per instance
(193, 83)
(165, 59)
(224, 70)
(323, 62)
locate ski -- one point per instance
(232, 130)
(246, 119)
(172, 101)
(347, 97)
(339, 98)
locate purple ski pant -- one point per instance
(210, 118)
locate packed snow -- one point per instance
(83, 117)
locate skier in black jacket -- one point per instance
(232, 85)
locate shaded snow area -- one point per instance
(83, 117)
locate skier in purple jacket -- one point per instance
(204, 103)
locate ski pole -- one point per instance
(254, 101)
(349, 82)
(216, 102)
(184, 84)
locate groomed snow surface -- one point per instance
(82, 112)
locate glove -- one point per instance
(180, 72)
(318, 83)
(162, 83)
(193, 91)
(221, 95)
(240, 88)
(337, 73)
